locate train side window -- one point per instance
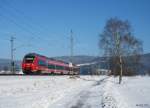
(50, 66)
(59, 67)
(42, 63)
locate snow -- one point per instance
(41, 91)
(9, 72)
(65, 92)
(89, 97)
(86, 64)
(5, 72)
(20, 72)
(134, 92)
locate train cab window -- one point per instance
(29, 59)
(42, 63)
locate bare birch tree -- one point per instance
(121, 47)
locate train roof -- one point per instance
(35, 54)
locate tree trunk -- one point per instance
(120, 76)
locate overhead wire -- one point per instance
(24, 16)
(10, 5)
(26, 29)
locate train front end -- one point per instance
(29, 65)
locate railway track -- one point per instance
(71, 76)
(31, 75)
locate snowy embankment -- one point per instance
(41, 91)
(9, 72)
(64, 92)
(134, 92)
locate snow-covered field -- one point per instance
(83, 92)
(134, 92)
(41, 91)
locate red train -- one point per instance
(37, 64)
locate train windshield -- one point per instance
(29, 59)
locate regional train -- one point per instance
(37, 64)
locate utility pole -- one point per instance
(71, 46)
(71, 51)
(12, 54)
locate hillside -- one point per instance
(77, 59)
(5, 64)
(81, 59)
(146, 59)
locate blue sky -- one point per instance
(43, 26)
